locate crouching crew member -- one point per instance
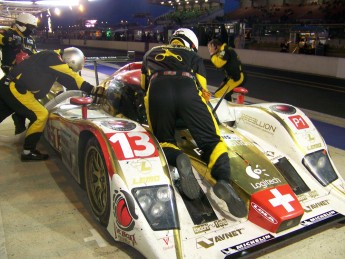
(226, 58)
(31, 80)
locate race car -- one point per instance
(279, 162)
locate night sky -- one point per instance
(111, 11)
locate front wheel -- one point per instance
(97, 181)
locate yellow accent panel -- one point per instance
(143, 81)
(217, 151)
(217, 61)
(1, 40)
(202, 80)
(29, 101)
(231, 84)
(146, 102)
(166, 144)
(176, 42)
(64, 68)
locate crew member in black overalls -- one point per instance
(31, 80)
(17, 43)
(174, 77)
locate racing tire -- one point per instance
(97, 181)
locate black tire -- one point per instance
(97, 181)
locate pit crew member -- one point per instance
(225, 57)
(31, 80)
(17, 43)
(174, 77)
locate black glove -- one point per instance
(14, 42)
(98, 94)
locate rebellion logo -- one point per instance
(258, 124)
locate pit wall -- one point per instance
(319, 65)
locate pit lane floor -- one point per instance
(45, 214)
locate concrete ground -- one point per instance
(45, 214)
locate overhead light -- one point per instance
(44, 3)
(59, 3)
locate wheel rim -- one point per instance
(96, 181)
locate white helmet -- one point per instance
(74, 58)
(26, 23)
(188, 38)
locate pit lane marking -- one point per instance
(95, 237)
(3, 252)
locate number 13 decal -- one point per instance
(133, 145)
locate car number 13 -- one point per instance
(133, 145)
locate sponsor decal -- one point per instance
(201, 228)
(147, 179)
(266, 183)
(233, 140)
(315, 146)
(256, 172)
(143, 166)
(319, 218)
(220, 223)
(258, 124)
(119, 125)
(312, 194)
(247, 244)
(281, 200)
(207, 242)
(125, 237)
(299, 122)
(198, 151)
(124, 213)
(53, 135)
(207, 226)
(316, 205)
(263, 213)
(270, 154)
(167, 244)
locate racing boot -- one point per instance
(236, 206)
(33, 155)
(19, 123)
(189, 184)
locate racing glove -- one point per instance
(98, 94)
(14, 42)
(206, 94)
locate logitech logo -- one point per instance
(256, 172)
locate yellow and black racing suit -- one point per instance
(31, 80)
(227, 59)
(12, 42)
(173, 77)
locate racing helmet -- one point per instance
(187, 37)
(74, 58)
(26, 23)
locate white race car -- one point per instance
(279, 162)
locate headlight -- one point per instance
(158, 204)
(319, 165)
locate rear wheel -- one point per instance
(97, 181)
